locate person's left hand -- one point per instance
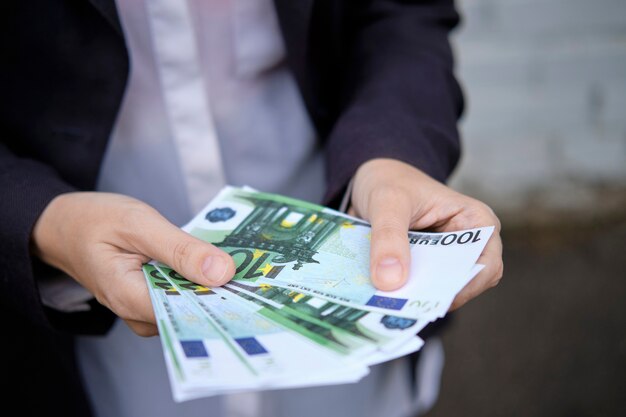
(395, 197)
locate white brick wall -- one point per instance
(545, 83)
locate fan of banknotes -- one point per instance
(301, 309)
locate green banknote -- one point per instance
(235, 311)
(308, 248)
(387, 332)
(272, 352)
(196, 355)
(341, 341)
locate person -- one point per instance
(101, 160)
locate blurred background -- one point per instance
(545, 146)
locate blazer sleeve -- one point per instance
(400, 97)
(62, 81)
(27, 188)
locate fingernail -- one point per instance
(214, 268)
(389, 271)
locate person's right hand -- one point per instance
(101, 240)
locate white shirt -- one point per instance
(209, 101)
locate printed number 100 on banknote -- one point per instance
(289, 243)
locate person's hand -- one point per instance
(395, 197)
(101, 240)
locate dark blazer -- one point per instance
(376, 77)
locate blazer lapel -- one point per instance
(294, 17)
(109, 11)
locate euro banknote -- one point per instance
(294, 244)
(196, 355)
(302, 289)
(271, 352)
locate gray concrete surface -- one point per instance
(545, 82)
(545, 145)
(550, 340)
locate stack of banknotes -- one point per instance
(301, 309)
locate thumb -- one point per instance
(196, 260)
(390, 216)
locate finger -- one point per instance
(125, 291)
(489, 277)
(390, 215)
(142, 328)
(193, 258)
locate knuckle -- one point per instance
(390, 195)
(134, 213)
(497, 277)
(459, 301)
(109, 299)
(117, 306)
(144, 330)
(134, 219)
(389, 237)
(498, 223)
(124, 309)
(478, 213)
(181, 252)
(140, 328)
(103, 300)
(391, 191)
(495, 282)
(389, 230)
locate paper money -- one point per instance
(289, 243)
(341, 342)
(301, 309)
(273, 353)
(386, 332)
(236, 311)
(196, 355)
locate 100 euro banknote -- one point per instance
(312, 249)
(273, 353)
(383, 331)
(198, 360)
